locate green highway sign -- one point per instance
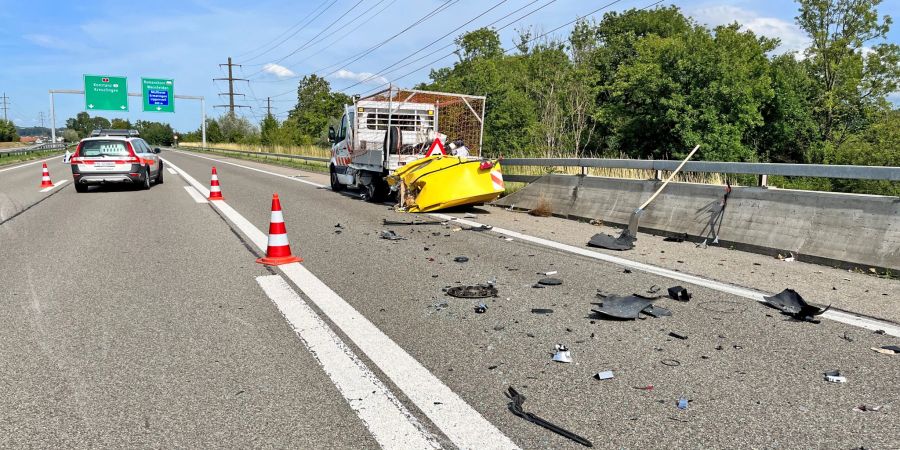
(158, 94)
(105, 93)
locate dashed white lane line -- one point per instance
(58, 184)
(365, 393)
(253, 168)
(194, 194)
(838, 316)
(172, 171)
(461, 423)
(28, 164)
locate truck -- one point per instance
(382, 133)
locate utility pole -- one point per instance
(268, 106)
(5, 106)
(231, 79)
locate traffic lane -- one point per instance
(852, 291)
(479, 355)
(133, 318)
(20, 184)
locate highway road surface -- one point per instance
(141, 319)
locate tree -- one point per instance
(316, 104)
(120, 124)
(854, 75)
(268, 134)
(155, 133)
(235, 128)
(790, 132)
(480, 43)
(8, 131)
(878, 145)
(70, 135)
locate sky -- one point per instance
(51, 44)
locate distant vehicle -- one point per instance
(115, 132)
(115, 159)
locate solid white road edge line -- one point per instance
(193, 193)
(58, 184)
(838, 316)
(28, 164)
(372, 401)
(252, 168)
(171, 171)
(462, 424)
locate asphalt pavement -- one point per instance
(135, 318)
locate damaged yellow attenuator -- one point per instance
(440, 181)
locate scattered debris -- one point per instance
(596, 222)
(656, 311)
(605, 375)
(552, 272)
(474, 291)
(461, 259)
(679, 293)
(879, 332)
(791, 258)
(626, 271)
(562, 354)
(550, 281)
(847, 337)
(677, 238)
(412, 222)
(624, 242)
(678, 335)
(653, 289)
(480, 228)
(629, 307)
(888, 349)
(868, 408)
(648, 387)
(834, 376)
(515, 406)
(391, 235)
(541, 311)
(682, 403)
(670, 362)
(480, 308)
(792, 304)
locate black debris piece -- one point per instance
(461, 259)
(339, 226)
(679, 293)
(879, 332)
(677, 238)
(626, 271)
(678, 335)
(474, 291)
(480, 228)
(541, 311)
(847, 337)
(653, 289)
(550, 281)
(792, 304)
(656, 311)
(480, 308)
(412, 222)
(623, 242)
(391, 235)
(670, 362)
(537, 286)
(515, 407)
(617, 307)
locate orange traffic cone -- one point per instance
(278, 251)
(45, 177)
(215, 193)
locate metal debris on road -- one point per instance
(474, 291)
(550, 281)
(678, 335)
(605, 375)
(624, 242)
(868, 408)
(461, 259)
(792, 304)
(391, 235)
(515, 407)
(656, 311)
(562, 354)
(629, 307)
(888, 349)
(834, 376)
(541, 311)
(480, 308)
(412, 222)
(679, 293)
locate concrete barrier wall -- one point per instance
(823, 227)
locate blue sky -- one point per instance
(50, 44)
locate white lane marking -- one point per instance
(172, 171)
(838, 316)
(390, 423)
(29, 164)
(461, 423)
(58, 184)
(253, 168)
(194, 194)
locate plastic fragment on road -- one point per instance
(480, 308)
(387, 222)
(391, 235)
(834, 376)
(605, 375)
(868, 408)
(617, 307)
(656, 311)
(552, 272)
(888, 349)
(461, 259)
(474, 291)
(682, 403)
(678, 335)
(624, 242)
(791, 303)
(550, 281)
(562, 354)
(679, 293)
(541, 311)
(648, 387)
(515, 407)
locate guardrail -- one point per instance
(35, 149)
(762, 170)
(263, 154)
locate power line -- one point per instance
(230, 92)
(289, 29)
(5, 106)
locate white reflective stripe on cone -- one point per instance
(215, 177)
(214, 189)
(277, 217)
(278, 240)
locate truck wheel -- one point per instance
(336, 185)
(376, 192)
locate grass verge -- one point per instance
(311, 166)
(6, 160)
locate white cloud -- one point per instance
(791, 36)
(278, 71)
(51, 42)
(366, 77)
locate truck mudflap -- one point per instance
(440, 181)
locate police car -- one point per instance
(115, 156)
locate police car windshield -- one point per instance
(104, 148)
